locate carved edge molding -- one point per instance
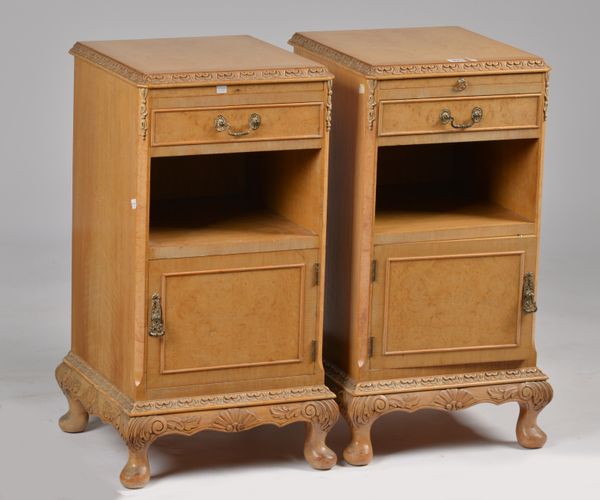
(208, 77)
(364, 410)
(416, 384)
(139, 431)
(387, 71)
(328, 105)
(172, 405)
(143, 112)
(371, 103)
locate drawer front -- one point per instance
(235, 318)
(459, 115)
(187, 126)
(445, 303)
(462, 86)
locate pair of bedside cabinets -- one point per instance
(210, 281)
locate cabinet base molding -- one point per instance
(361, 404)
(88, 393)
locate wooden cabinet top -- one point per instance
(410, 52)
(170, 62)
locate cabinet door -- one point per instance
(454, 302)
(233, 318)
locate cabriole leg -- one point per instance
(136, 472)
(316, 452)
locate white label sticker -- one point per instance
(461, 59)
(133, 203)
(361, 89)
(221, 89)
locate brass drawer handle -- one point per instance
(222, 125)
(157, 328)
(476, 116)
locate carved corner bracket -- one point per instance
(143, 112)
(546, 89)
(328, 105)
(371, 103)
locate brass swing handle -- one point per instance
(529, 305)
(157, 328)
(222, 125)
(476, 116)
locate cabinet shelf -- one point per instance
(451, 220)
(194, 228)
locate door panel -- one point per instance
(234, 317)
(454, 302)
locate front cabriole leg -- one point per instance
(322, 416)
(361, 412)
(139, 434)
(533, 398)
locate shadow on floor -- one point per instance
(212, 451)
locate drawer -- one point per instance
(462, 86)
(204, 125)
(459, 115)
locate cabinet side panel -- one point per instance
(104, 183)
(350, 219)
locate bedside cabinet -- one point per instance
(436, 169)
(199, 204)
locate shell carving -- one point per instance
(454, 399)
(235, 420)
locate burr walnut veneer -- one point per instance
(436, 168)
(199, 197)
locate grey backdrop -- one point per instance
(35, 197)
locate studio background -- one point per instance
(466, 455)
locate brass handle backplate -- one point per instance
(461, 84)
(157, 328)
(529, 305)
(222, 125)
(476, 116)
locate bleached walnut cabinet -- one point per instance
(199, 204)
(434, 218)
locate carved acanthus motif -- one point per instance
(362, 410)
(328, 105)
(538, 394)
(324, 413)
(143, 112)
(371, 103)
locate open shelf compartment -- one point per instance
(455, 191)
(234, 203)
